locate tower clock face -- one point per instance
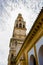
(20, 32)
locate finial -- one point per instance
(20, 17)
(20, 14)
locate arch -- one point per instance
(16, 25)
(40, 54)
(20, 25)
(20, 19)
(23, 26)
(32, 60)
(11, 55)
(12, 59)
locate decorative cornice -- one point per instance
(20, 28)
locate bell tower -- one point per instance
(18, 37)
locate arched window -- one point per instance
(12, 59)
(40, 54)
(32, 60)
(19, 19)
(11, 56)
(20, 25)
(23, 26)
(16, 25)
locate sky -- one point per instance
(9, 10)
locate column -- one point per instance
(35, 55)
(26, 58)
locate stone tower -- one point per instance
(18, 37)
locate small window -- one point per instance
(19, 19)
(20, 25)
(23, 26)
(16, 25)
(12, 56)
(12, 62)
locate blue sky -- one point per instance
(9, 10)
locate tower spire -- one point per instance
(19, 17)
(19, 35)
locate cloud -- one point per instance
(9, 10)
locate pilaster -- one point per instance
(35, 55)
